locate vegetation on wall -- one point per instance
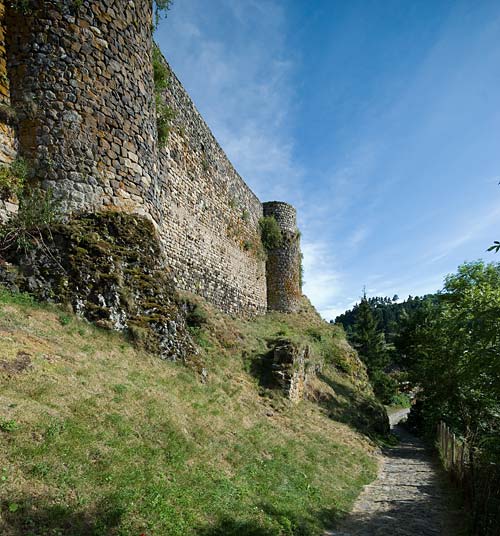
(164, 113)
(108, 266)
(38, 211)
(160, 8)
(13, 178)
(270, 233)
(21, 6)
(301, 271)
(239, 230)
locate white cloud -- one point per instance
(323, 283)
(239, 77)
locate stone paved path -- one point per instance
(405, 500)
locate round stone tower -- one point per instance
(283, 262)
(81, 82)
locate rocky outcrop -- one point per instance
(109, 267)
(290, 367)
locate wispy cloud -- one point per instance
(323, 281)
(466, 232)
(379, 173)
(358, 236)
(239, 78)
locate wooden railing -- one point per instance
(454, 452)
(480, 482)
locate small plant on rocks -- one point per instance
(270, 233)
(13, 178)
(38, 210)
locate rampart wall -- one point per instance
(81, 88)
(8, 143)
(210, 216)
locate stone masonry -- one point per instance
(283, 262)
(8, 143)
(210, 217)
(82, 89)
(82, 92)
(289, 366)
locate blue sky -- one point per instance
(378, 119)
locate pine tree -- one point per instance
(368, 339)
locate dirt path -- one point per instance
(407, 499)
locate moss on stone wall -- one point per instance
(109, 268)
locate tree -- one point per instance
(495, 247)
(369, 341)
(452, 347)
(367, 338)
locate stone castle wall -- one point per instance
(8, 142)
(283, 263)
(81, 86)
(82, 89)
(210, 216)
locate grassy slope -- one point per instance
(97, 437)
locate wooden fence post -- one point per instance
(453, 451)
(446, 438)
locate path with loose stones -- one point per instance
(407, 499)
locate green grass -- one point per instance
(98, 438)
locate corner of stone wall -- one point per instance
(8, 141)
(283, 263)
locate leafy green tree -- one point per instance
(452, 347)
(495, 247)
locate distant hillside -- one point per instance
(101, 438)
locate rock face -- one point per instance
(290, 368)
(111, 270)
